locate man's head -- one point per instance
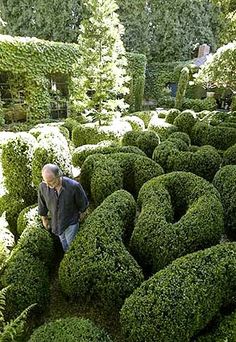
(51, 174)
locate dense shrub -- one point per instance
(3, 255)
(229, 156)
(162, 113)
(17, 154)
(182, 87)
(145, 116)
(218, 136)
(172, 115)
(225, 183)
(145, 141)
(70, 124)
(199, 105)
(68, 330)
(92, 134)
(161, 127)
(226, 331)
(51, 148)
(97, 264)
(180, 135)
(179, 301)
(136, 123)
(82, 152)
(28, 217)
(180, 210)
(103, 174)
(185, 121)
(50, 128)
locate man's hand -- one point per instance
(45, 222)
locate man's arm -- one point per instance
(42, 209)
(81, 198)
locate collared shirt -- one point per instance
(64, 207)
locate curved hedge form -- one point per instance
(180, 213)
(179, 301)
(12, 206)
(229, 156)
(226, 331)
(101, 175)
(145, 141)
(172, 115)
(92, 134)
(220, 137)
(181, 135)
(161, 127)
(81, 153)
(185, 121)
(51, 148)
(28, 217)
(145, 116)
(136, 123)
(68, 330)
(97, 264)
(27, 271)
(225, 183)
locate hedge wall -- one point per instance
(180, 210)
(179, 301)
(97, 265)
(145, 141)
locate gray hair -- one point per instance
(54, 169)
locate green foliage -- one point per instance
(185, 121)
(180, 210)
(224, 181)
(145, 116)
(145, 141)
(182, 87)
(3, 255)
(10, 331)
(101, 175)
(199, 105)
(136, 123)
(229, 156)
(172, 115)
(179, 301)
(220, 137)
(98, 254)
(12, 205)
(161, 127)
(180, 135)
(102, 62)
(70, 329)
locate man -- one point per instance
(65, 199)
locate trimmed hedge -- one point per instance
(225, 183)
(179, 301)
(229, 156)
(68, 330)
(97, 265)
(180, 135)
(92, 134)
(103, 174)
(172, 115)
(218, 136)
(185, 121)
(225, 332)
(136, 123)
(161, 127)
(145, 141)
(12, 206)
(180, 213)
(145, 116)
(28, 217)
(27, 271)
(81, 153)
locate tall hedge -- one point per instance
(97, 265)
(180, 213)
(179, 301)
(182, 87)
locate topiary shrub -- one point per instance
(185, 121)
(103, 174)
(70, 124)
(180, 135)
(145, 116)
(161, 127)
(70, 329)
(225, 183)
(220, 137)
(97, 265)
(182, 87)
(180, 210)
(92, 134)
(28, 217)
(17, 154)
(82, 152)
(145, 141)
(172, 115)
(136, 123)
(226, 331)
(51, 148)
(3, 255)
(179, 301)
(229, 156)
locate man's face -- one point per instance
(50, 179)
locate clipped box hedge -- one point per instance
(97, 265)
(68, 330)
(179, 301)
(180, 213)
(161, 127)
(185, 121)
(225, 183)
(103, 174)
(145, 141)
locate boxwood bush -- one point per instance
(28, 217)
(229, 156)
(97, 265)
(136, 123)
(103, 174)
(185, 121)
(68, 330)
(146, 141)
(145, 116)
(181, 135)
(180, 210)
(172, 115)
(179, 301)
(161, 127)
(225, 183)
